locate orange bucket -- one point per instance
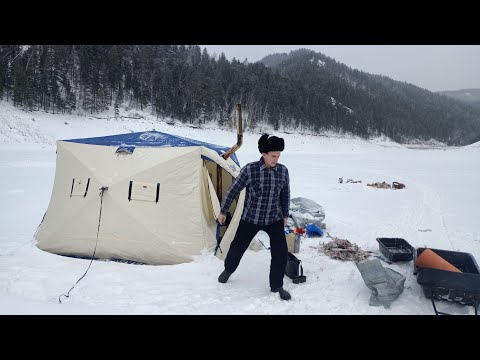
(430, 259)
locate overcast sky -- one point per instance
(433, 67)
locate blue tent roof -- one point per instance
(150, 139)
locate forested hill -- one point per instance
(375, 103)
(303, 90)
(468, 96)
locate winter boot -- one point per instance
(223, 278)
(284, 294)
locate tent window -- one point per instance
(79, 187)
(125, 150)
(143, 191)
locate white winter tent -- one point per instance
(161, 194)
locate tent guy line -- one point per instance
(67, 295)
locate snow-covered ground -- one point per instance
(439, 208)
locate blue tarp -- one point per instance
(151, 139)
(313, 230)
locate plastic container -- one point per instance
(462, 287)
(290, 242)
(463, 261)
(296, 247)
(395, 249)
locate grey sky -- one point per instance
(433, 67)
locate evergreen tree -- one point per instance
(303, 90)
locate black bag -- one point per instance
(294, 269)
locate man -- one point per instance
(266, 208)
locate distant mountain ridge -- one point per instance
(468, 96)
(302, 91)
(397, 109)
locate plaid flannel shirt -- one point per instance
(267, 197)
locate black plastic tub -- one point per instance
(465, 262)
(395, 249)
(458, 287)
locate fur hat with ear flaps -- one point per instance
(272, 143)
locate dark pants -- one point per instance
(278, 249)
